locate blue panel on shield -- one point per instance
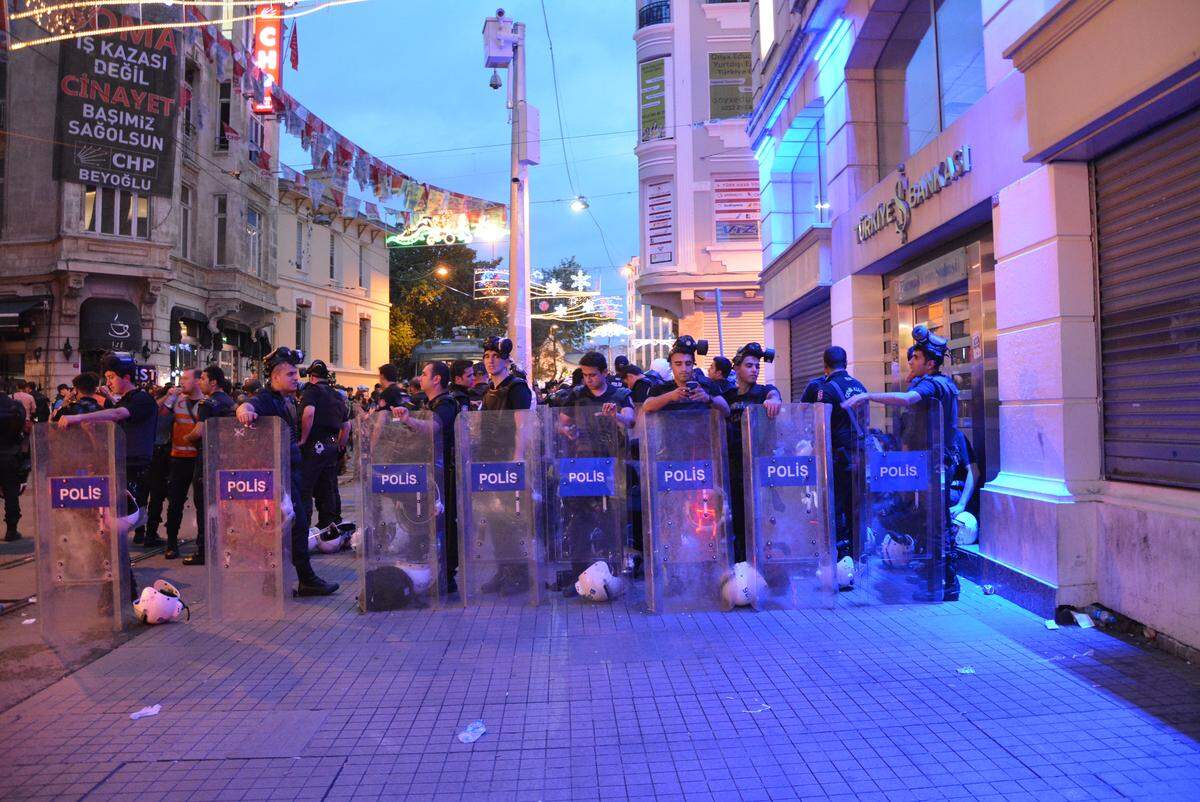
(898, 471)
(497, 477)
(246, 485)
(399, 478)
(78, 492)
(688, 475)
(586, 476)
(787, 471)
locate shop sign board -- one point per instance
(117, 107)
(911, 193)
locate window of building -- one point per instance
(335, 337)
(362, 266)
(186, 220)
(809, 175)
(224, 110)
(116, 212)
(220, 229)
(301, 230)
(332, 254)
(191, 79)
(364, 343)
(254, 221)
(302, 324)
(766, 26)
(930, 71)
(257, 132)
(227, 15)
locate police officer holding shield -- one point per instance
(323, 415)
(927, 382)
(217, 403)
(687, 390)
(833, 388)
(746, 392)
(277, 400)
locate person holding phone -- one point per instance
(686, 391)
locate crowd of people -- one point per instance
(163, 426)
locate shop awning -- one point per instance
(12, 309)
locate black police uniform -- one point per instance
(217, 405)
(669, 386)
(941, 387)
(268, 403)
(461, 396)
(12, 441)
(512, 393)
(393, 396)
(446, 408)
(844, 437)
(319, 454)
(738, 402)
(140, 429)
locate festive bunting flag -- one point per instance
(316, 191)
(294, 46)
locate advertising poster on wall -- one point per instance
(652, 100)
(117, 105)
(736, 208)
(730, 91)
(659, 214)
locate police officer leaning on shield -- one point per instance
(277, 400)
(689, 389)
(925, 358)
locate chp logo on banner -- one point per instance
(117, 107)
(268, 39)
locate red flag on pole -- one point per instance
(294, 47)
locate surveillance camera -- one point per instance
(494, 83)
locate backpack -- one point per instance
(41, 412)
(12, 421)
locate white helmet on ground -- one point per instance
(334, 537)
(598, 584)
(421, 575)
(314, 538)
(742, 586)
(897, 550)
(159, 604)
(845, 572)
(966, 528)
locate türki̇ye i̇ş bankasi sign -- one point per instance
(118, 108)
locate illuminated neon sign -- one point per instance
(268, 33)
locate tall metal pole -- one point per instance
(720, 331)
(518, 241)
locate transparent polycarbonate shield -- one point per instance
(584, 454)
(789, 506)
(499, 498)
(901, 509)
(248, 495)
(401, 562)
(685, 508)
(83, 581)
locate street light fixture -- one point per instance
(579, 204)
(441, 271)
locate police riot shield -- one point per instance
(499, 498)
(786, 473)
(585, 504)
(248, 498)
(900, 520)
(83, 577)
(401, 560)
(684, 504)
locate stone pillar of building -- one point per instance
(856, 318)
(1040, 511)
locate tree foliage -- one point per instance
(424, 308)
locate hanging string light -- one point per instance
(58, 18)
(66, 30)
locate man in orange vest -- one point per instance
(184, 407)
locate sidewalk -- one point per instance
(971, 700)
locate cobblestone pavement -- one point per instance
(586, 702)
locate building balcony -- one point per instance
(655, 12)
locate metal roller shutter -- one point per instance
(739, 325)
(808, 336)
(1147, 197)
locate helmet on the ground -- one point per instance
(331, 540)
(314, 538)
(742, 586)
(159, 604)
(845, 572)
(598, 584)
(421, 575)
(966, 528)
(897, 550)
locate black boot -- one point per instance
(315, 586)
(11, 533)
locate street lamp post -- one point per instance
(504, 48)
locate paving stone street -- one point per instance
(974, 700)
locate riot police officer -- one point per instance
(323, 416)
(687, 390)
(277, 400)
(505, 390)
(216, 404)
(833, 388)
(746, 391)
(462, 377)
(925, 358)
